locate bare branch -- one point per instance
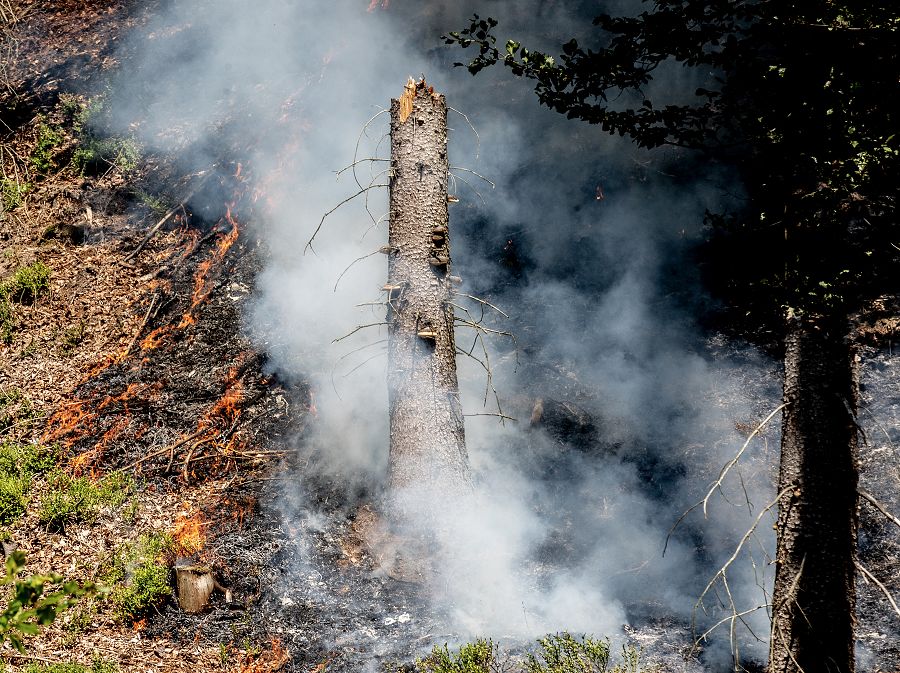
(357, 329)
(355, 163)
(724, 569)
(498, 415)
(309, 243)
(877, 505)
(484, 302)
(471, 126)
(358, 259)
(468, 170)
(884, 590)
(468, 184)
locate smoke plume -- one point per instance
(584, 242)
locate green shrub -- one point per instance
(140, 575)
(28, 283)
(95, 152)
(73, 499)
(563, 653)
(48, 141)
(474, 657)
(19, 463)
(95, 155)
(559, 653)
(12, 193)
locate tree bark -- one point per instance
(428, 460)
(814, 598)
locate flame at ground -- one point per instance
(266, 662)
(189, 535)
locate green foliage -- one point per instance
(157, 204)
(28, 283)
(562, 653)
(557, 653)
(72, 499)
(19, 463)
(98, 666)
(72, 336)
(16, 410)
(12, 193)
(140, 574)
(798, 97)
(7, 319)
(48, 142)
(31, 606)
(474, 657)
(96, 153)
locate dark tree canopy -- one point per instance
(801, 96)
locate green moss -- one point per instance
(72, 499)
(139, 575)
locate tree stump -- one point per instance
(194, 586)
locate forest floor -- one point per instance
(149, 417)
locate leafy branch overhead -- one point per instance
(799, 97)
(31, 605)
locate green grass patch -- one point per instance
(28, 283)
(74, 499)
(12, 193)
(7, 319)
(19, 463)
(99, 666)
(140, 575)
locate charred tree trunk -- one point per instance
(428, 457)
(814, 597)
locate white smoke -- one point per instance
(291, 84)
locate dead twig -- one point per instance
(309, 243)
(884, 590)
(722, 572)
(877, 505)
(165, 218)
(471, 126)
(357, 329)
(717, 484)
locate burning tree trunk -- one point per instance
(427, 450)
(814, 598)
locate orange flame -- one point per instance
(189, 535)
(267, 662)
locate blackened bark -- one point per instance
(814, 597)
(428, 460)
